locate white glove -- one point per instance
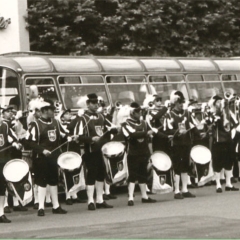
(19, 114)
(155, 130)
(69, 139)
(167, 103)
(17, 146)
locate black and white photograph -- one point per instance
(120, 119)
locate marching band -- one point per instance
(163, 146)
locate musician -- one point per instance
(136, 135)
(104, 110)
(65, 117)
(179, 128)
(160, 140)
(93, 132)
(7, 139)
(223, 151)
(44, 137)
(8, 116)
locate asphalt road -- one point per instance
(209, 215)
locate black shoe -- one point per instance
(178, 196)
(130, 203)
(219, 190)
(105, 197)
(69, 201)
(7, 209)
(59, 210)
(111, 196)
(91, 206)
(3, 219)
(208, 184)
(103, 205)
(78, 200)
(148, 200)
(188, 195)
(36, 206)
(20, 208)
(48, 204)
(231, 189)
(41, 213)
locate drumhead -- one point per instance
(15, 170)
(201, 154)
(69, 161)
(161, 161)
(112, 148)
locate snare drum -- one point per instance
(200, 157)
(18, 178)
(115, 161)
(162, 172)
(70, 164)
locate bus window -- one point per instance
(211, 77)
(165, 89)
(92, 79)
(116, 79)
(73, 93)
(175, 78)
(137, 79)
(230, 84)
(203, 91)
(45, 86)
(9, 89)
(159, 78)
(128, 93)
(229, 77)
(70, 80)
(195, 78)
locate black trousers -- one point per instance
(223, 155)
(137, 168)
(181, 159)
(95, 170)
(46, 170)
(2, 181)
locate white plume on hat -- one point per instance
(149, 98)
(82, 102)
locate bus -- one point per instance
(66, 79)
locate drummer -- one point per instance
(94, 134)
(180, 130)
(7, 138)
(223, 147)
(104, 110)
(44, 137)
(136, 135)
(65, 117)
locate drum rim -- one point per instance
(109, 143)
(71, 152)
(202, 163)
(162, 152)
(13, 160)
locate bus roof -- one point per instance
(37, 63)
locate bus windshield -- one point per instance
(9, 88)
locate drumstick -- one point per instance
(59, 147)
(5, 148)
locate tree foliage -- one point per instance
(135, 27)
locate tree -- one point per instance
(135, 27)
